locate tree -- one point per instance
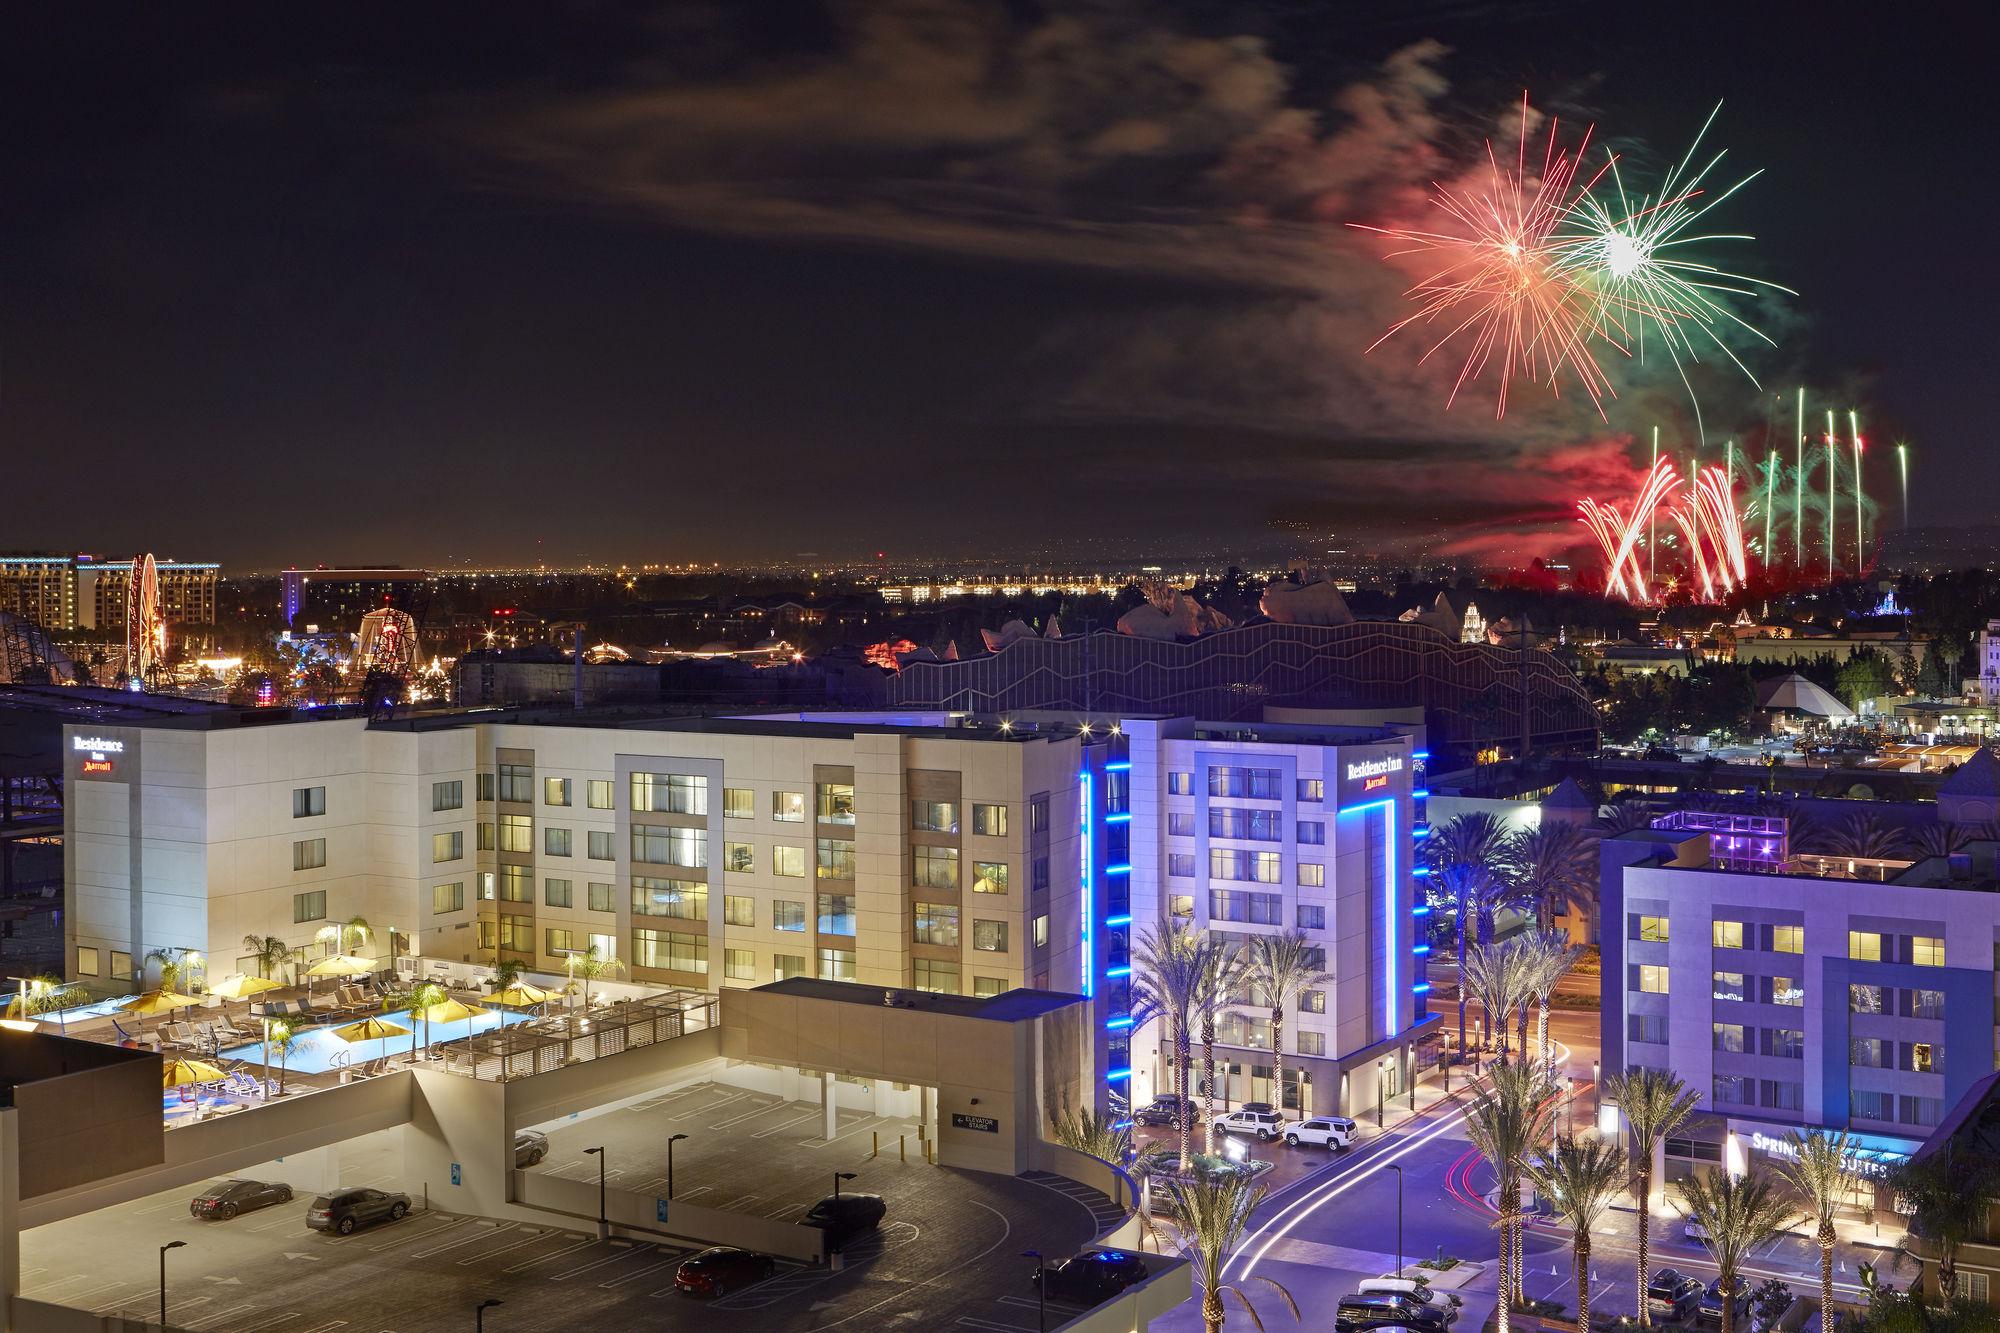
(1654, 1103)
(590, 965)
(508, 972)
(1499, 975)
(1218, 976)
(1737, 1214)
(170, 966)
(336, 934)
(278, 1036)
(419, 1001)
(1865, 836)
(1551, 961)
(1950, 1196)
(1280, 969)
(269, 951)
(1167, 978)
(1866, 674)
(1579, 1179)
(1470, 862)
(1212, 1211)
(1506, 1122)
(1557, 864)
(1927, 840)
(1819, 1172)
(1104, 1137)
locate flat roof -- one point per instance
(1012, 1006)
(101, 705)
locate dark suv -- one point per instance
(1387, 1310)
(1672, 1294)
(344, 1210)
(844, 1216)
(1166, 1110)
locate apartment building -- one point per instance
(1247, 829)
(41, 588)
(1788, 999)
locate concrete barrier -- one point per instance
(41, 1317)
(640, 1213)
(1110, 1181)
(1137, 1306)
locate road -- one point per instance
(1320, 1235)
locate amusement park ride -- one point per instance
(145, 626)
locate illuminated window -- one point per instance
(989, 877)
(739, 910)
(558, 893)
(739, 858)
(1312, 789)
(670, 793)
(1729, 1037)
(987, 987)
(788, 807)
(1180, 904)
(686, 899)
(836, 803)
(989, 821)
(989, 936)
(309, 854)
(1864, 999)
(1864, 945)
(787, 965)
(1650, 929)
(555, 791)
(1180, 784)
(447, 846)
(935, 867)
(836, 964)
(1042, 931)
(934, 816)
(1728, 934)
(1788, 939)
(517, 884)
(1240, 864)
(739, 803)
(1652, 979)
(1729, 986)
(1927, 951)
(788, 862)
(836, 914)
(835, 858)
(654, 845)
(1312, 875)
(788, 915)
(935, 924)
(86, 962)
(559, 940)
(739, 964)
(597, 794)
(669, 951)
(1926, 1058)
(517, 833)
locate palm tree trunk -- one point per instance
(1645, 1233)
(1542, 1033)
(1728, 1289)
(1522, 1027)
(1211, 1311)
(1278, 1062)
(1510, 1201)
(1208, 1069)
(1947, 1275)
(1583, 1282)
(1461, 982)
(1183, 1058)
(1826, 1239)
(1504, 1309)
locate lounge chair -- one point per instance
(181, 1034)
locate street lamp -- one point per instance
(839, 1176)
(170, 1245)
(670, 1162)
(1041, 1291)
(1399, 1216)
(603, 1214)
(479, 1312)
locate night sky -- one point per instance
(507, 283)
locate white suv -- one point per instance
(1326, 1131)
(1264, 1124)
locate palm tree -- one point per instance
(1944, 839)
(1103, 1136)
(1557, 869)
(1167, 973)
(1211, 1212)
(278, 1035)
(1500, 975)
(1505, 1122)
(1654, 1103)
(1219, 977)
(1867, 837)
(269, 951)
(590, 965)
(49, 994)
(1280, 969)
(1579, 1179)
(168, 961)
(1552, 959)
(337, 933)
(1819, 1172)
(419, 1000)
(508, 972)
(1737, 1214)
(1469, 861)
(1950, 1198)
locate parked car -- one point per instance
(1322, 1131)
(344, 1210)
(1263, 1124)
(1256, 1106)
(1672, 1294)
(1093, 1276)
(844, 1216)
(1446, 1303)
(226, 1198)
(530, 1147)
(1711, 1303)
(1695, 1231)
(721, 1269)
(1360, 1313)
(1165, 1110)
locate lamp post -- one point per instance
(170, 1245)
(1381, 1089)
(670, 1162)
(603, 1214)
(479, 1312)
(1041, 1291)
(839, 1176)
(1399, 1216)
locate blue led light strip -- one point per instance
(1390, 933)
(1089, 889)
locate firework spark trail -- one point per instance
(1860, 525)
(1715, 497)
(1659, 485)
(1498, 284)
(1633, 257)
(1607, 525)
(1687, 518)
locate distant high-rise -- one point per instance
(68, 592)
(331, 597)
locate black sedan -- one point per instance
(722, 1269)
(1093, 1276)
(226, 1198)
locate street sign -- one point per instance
(985, 1124)
(457, 1174)
(660, 1208)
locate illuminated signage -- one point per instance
(97, 766)
(96, 745)
(1372, 768)
(1370, 776)
(1871, 1163)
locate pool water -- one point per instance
(317, 1050)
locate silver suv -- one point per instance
(1263, 1124)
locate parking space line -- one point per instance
(781, 1128)
(88, 1293)
(106, 1307)
(228, 1312)
(532, 1238)
(763, 1109)
(463, 1240)
(788, 1208)
(605, 1262)
(968, 1321)
(554, 1254)
(698, 1189)
(272, 1323)
(410, 1235)
(644, 1272)
(327, 1327)
(28, 1288)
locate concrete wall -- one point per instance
(229, 1144)
(1137, 1307)
(592, 1083)
(84, 1110)
(42, 1317)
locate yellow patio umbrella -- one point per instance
(444, 1011)
(341, 965)
(371, 1029)
(243, 986)
(180, 1073)
(519, 996)
(158, 1002)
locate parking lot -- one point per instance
(947, 1256)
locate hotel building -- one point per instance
(929, 851)
(65, 592)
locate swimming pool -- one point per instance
(317, 1050)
